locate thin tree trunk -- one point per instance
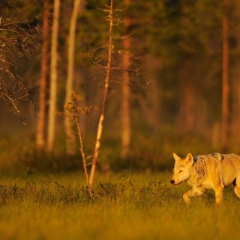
(53, 83)
(187, 111)
(225, 77)
(154, 66)
(104, 102)
(41, 121)
(70, 140)
(126, 130)
(83, 155)
(235, 126)
(187, 75)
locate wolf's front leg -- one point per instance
(218, 194)
(191, 193)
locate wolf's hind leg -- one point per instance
(237, 186)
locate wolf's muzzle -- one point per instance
(172, 181)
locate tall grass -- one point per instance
(124, 206)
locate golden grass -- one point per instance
(135, 206)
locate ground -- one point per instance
(125, 206)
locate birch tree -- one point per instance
(105, 96)
(53, 78)
(70, 137)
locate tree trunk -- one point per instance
(105, 96)
(126, 130)
(70, 137)
(53, 83)
(187, 96)
(154, 66)
(235, 126)
(187, 77)
(41, 121)
(225, 78)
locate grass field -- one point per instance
(125, 206)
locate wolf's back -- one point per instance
(231, 160)
(206, 157)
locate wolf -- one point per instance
(213, 171)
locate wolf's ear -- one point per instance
(176, 157)
(189, 158)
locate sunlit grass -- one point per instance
(125, 206)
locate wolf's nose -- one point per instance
(172, 181)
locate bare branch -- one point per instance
(17, 41)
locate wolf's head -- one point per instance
(182, 168)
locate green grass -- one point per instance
(125, 206)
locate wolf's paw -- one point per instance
(186, 198)
(218, 201)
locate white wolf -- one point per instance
(207, 171)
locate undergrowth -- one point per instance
(124, 206)
(147, 153)
(125, 191)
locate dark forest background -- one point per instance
(179, 52)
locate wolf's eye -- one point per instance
(180, 171)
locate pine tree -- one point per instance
(41, 121)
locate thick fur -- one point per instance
(207, 171)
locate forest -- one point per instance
(173, 81)
(95, 97)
